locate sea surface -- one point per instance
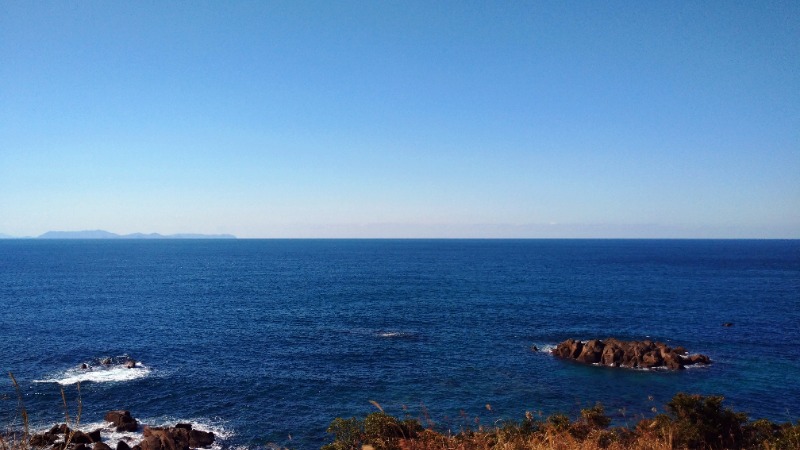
(266, 341)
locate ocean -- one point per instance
(266, 341)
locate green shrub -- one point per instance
(595, 417)
(787, 437)
(380, 430)
(702, 422)
(559, 422)
(348, 434)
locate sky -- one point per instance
(531, 119)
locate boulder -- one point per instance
(652, 359)
(697, 359)
(122, 420)
(673, 361)
(95, 436)
(100, 446)
(569, 349)
(591, 352)
(150, 443)
(59, 429)
(170, 438)
(180, 437)
(79, 437)
(43, 439)
(199, 438)
(612, 355)
(122, 445)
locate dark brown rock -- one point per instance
(186, 426)
(43, 439)
(697, 359)
(199, 438)
(122, 445)
(95, 436)
(150, 443)
(569, 349)
(59, 429)
(101, 446)
(612, 355)
(652, 359)
(79, 437)
(122, 420)
(591, 352)
(673, 361)
(170, 438)
(633, 354)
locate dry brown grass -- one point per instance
(548, 439)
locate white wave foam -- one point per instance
(545, 348)
(396, 334)
(102, 374)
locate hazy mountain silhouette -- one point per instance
(102, 234)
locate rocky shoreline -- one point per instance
(629, 354)
(179, 437)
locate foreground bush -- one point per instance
(692, 422)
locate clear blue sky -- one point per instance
(401, 118)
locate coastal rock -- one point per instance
(41, 440)
(169, 438)
(592, 352)
(95, 436)
(180, 437)
(122, 420)
(569, 349)
(79, 437)
(150, 443)
(613, 352)
(198, 438)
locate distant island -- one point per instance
(102, 234)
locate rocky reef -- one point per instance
(632, 354)
(180, 437)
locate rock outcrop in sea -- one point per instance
(632, 354)
(180, 437)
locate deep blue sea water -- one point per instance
(266, 341)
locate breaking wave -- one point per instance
(108, 370)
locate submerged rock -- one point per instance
(632, 354)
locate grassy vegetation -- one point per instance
(15, 439)
(691, 422)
